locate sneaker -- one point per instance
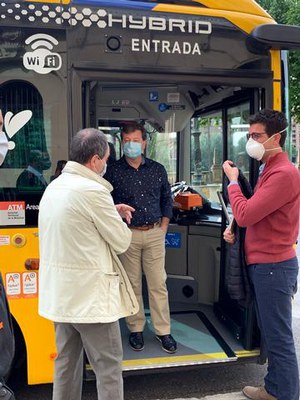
(257, 393)
(136, 341)
(168, 343)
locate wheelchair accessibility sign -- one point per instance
(173, 240)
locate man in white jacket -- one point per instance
(82, 285)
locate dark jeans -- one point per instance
(273, 287)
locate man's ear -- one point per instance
(144, 145)
(278, 137)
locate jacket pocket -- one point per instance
(114, 296)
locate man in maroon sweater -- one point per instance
(271, 217)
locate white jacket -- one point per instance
(81, 279)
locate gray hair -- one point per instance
(86, 143)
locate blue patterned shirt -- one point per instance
(146, 189)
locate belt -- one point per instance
(145, 227)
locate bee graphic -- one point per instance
(12, 125)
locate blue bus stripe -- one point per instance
(115, 3)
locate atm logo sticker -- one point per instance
(12, 213)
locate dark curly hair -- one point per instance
(273, 121)
(130, 127)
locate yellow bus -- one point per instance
(192, 72)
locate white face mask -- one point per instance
(103, 172)
(3, 147)
(256, 149)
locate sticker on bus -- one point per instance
(12, 213)
(4, 240)
(13, 285)
(21, 285)
(173, 240)
(29, 284)
(153, 95)
(173, 97)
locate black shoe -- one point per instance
(136, 341)
(168, 343)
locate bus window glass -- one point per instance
(206, 154)
(36, 143)
(162, 147)
(21, 96)
(27, 161)
(238, 117)
(113, 135)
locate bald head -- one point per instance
(86, 143)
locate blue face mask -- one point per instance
(132, 149)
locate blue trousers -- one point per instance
(273, 286)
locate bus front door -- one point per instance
(190, 146)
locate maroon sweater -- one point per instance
(271, 215)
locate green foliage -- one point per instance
(277, 8)
(288, 12)
(293, 18)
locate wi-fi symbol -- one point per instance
(41, 40)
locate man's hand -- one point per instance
(228, 236)
(125, 212)
(164, 224)
(231, 172)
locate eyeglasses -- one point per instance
(255, 135)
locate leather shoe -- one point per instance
(136, 341)
(257, 393)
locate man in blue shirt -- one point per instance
(143, 184)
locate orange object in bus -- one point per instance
(187, 200)
(32, 263)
